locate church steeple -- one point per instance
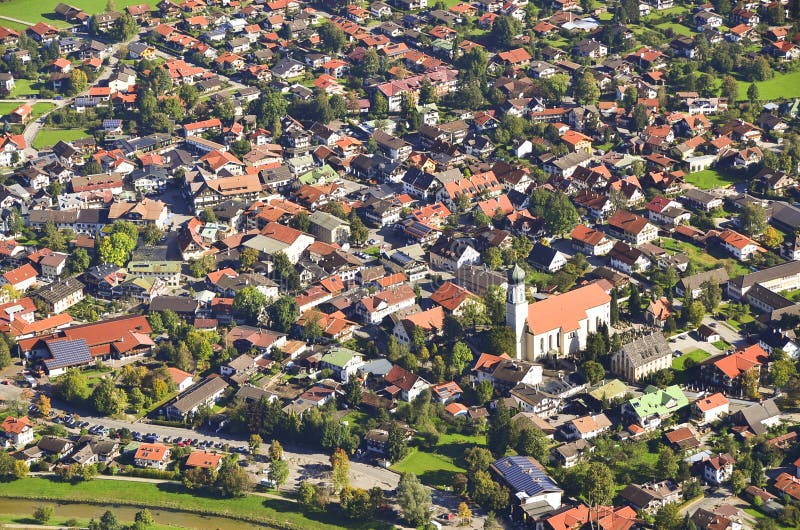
(517, 307)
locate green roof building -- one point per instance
(654, 406)
(343, 361)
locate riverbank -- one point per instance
(252, 509)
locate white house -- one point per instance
(718, 469)
(586, 427)
(18, 431)
(155, 456)
(711, 408)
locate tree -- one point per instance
(593, 372)
(668, 517)
(124, 28)
(488, 493)
(502, 340)
(232, 480)
(5, 355)
(42, 514)
(753, 220)
(43, 402)
(77, 81)
(695, 314)
(249, 302)
(781, 371)
(598, 485)
(78, 261)
(352, 392)
(414, 499)
(667, 463)
(358, 232)
(532, 442)
(753, 95)
(306, 495)
(730, 88)
(144, 517)
(639, 117)
(201, 266)
(771, 237)
(484, 391)
(460, 357)
(586, 90)
(107, 399)
(498, 436)
(279, 472)
(493, 258)
(560, 215)
(396, 444)
(464, 514)
(738, 481)
(152, 235)
(710, 295)
(255, 442)
(248, 257)
(504, 30)
(72, 386)
(284, 272)
(301, 222)
(340, 464)
(116, 249)
(283, 313)
(332, 37)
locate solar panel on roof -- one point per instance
(68, 353)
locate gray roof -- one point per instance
(57, 291)
(694, 281)
(646, 348)
(326, 220)
(773, 273)
(755, 414)
(199, 393)
(524, 475)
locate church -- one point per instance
(557, 326)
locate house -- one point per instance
(694, 283)
(152, 455)
(546, 258)
(452, 298)
(783, 277)
(738, 245)
(183, 380)
(570, 454)
(557, 326)
(507, 374)
(343, 361)
(651, 497)
(628, 259)
(203, 394)
(642, 357)
(757, 418)
(530, 486)
(21, 278)
(718, 469)
(658, 312)
(329, 228)
(702, 200)
(654, 406)
(728, 371)
(667, 211)
(204, 460)
(445, 392)
(373, 309)
(586, 427)
(450, 254)
(401, 382)
(18, 431)
(61, 295)
(430, 322)
(590, 241)
(632, 227)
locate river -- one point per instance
(63, 511)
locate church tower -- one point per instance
(517, 307)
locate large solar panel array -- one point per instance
(523, 475)
(68, 353)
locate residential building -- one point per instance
(654, 406)
(642, 357)
(152, 455)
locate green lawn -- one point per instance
(272, 512)
(13, 25)
(758, 515)
(50, 137)
(436, 468)
(701, 259)
(737, 324)
(43, 10)
(792, 295)
(721, 345)
(679, 363)
(57, 520)
(23, 88)
(781, 86)
(679, 29)
(710, 179)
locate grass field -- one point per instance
(61, 521)
(43, 10)
(436, 468)
(50, 137)
(274, 512)
(709, 179)
(721, 345)
(6, 107)
(701, 259)
(782, 86)
(697, 356)
(23, 87)
(678, 29)
(737, 324)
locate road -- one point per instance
(18, 21)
